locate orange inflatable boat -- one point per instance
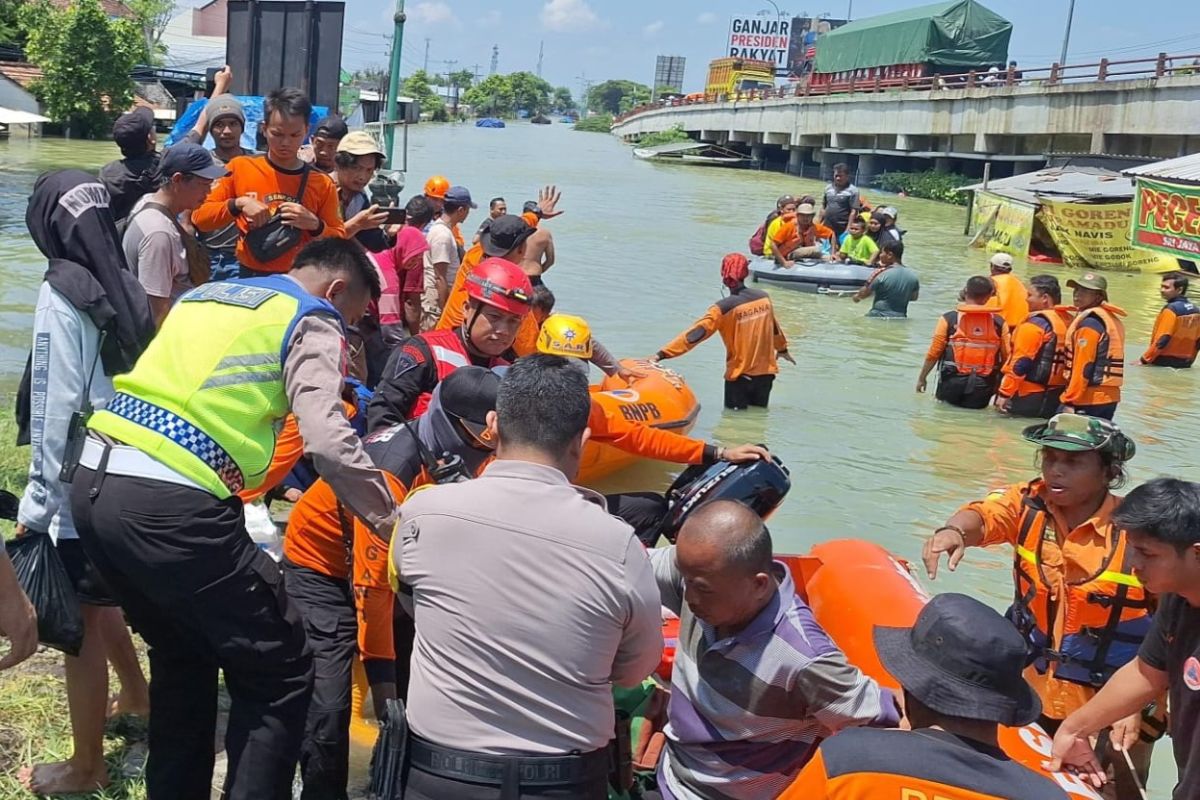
(661, 399)
(852, 586)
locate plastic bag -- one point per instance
(45, 581)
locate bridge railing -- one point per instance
(1162, 65)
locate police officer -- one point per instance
(155, 503)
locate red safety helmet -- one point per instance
(501, 284)
(437, 186)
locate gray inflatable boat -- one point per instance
(819, 277)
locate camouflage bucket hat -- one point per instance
(1078, 433)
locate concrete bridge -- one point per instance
(1013, 122)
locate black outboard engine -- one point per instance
(759, 485)
(386, 188)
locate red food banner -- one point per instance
(1166, 218)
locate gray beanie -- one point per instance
(225, 105)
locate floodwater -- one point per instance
(639, 247)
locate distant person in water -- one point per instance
(893, 285)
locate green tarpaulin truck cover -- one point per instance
(960, 33)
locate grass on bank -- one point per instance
(600, 123)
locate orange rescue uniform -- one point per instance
(960, 345)
(1013, 297)
(748, 327)
(1176, 336)
(452, 313)
(257, 177)
(1039, 351)
(1068, 557)
(1095, 357)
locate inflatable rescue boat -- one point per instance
(818, 277)
(660, 399)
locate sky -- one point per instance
(601, 39)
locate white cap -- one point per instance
(1002, 260)
(890, 211)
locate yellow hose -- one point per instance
(363, 728)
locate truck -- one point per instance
(737, 76)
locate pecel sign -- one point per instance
(760, 39)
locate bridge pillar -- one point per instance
(868, 168)
(795, 163)
(758, 153)
(905, 141)
(828, 159)
(943, 164)
(1021, 167)
(1098, 142)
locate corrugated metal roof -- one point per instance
(1069, 183)
(1184, 168)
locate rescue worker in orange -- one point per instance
(336, 569)
(969, 346)
(1095, 366)
(1035, 373)
(571, 337)
(960, 668)
(1176, 337)
(750, 330)
(495, 305)
(1010, 292)
(1076, 599)
(801, 236)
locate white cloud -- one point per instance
(434, 13)
(569, 16)
(651, 30)
(706, 18)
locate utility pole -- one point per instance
(585, 87)
(425, 68)
(389, 122)
(475, 68)
(541, 53)
(495, 59)
(451, 86)
(1062, 59)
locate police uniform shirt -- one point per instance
(1173, 646)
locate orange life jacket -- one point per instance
(1050, 364)
(1109, 366)
(974, 336)
(1107, 615)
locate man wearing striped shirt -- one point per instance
(756, 684)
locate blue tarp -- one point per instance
(489, 122)
(253, 106)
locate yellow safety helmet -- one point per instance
(565, 335)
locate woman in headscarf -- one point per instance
(753, 339)
(92, 321)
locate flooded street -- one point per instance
(638, 252)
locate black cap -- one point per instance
(467, 395)
(132, 129)
(332, 127)
(962, 659)
(503, 234)
(190, 159)
(532, 207)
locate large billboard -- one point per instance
(668, 73)
(803, 42)
(760, 39)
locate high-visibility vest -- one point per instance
(1185, 338)
(207, 397)
(974, 337)
(1107, 615)
(1109, 366)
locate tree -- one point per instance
(530, 92)
(85, 60)
(11, 32)
(462, 79)
(617, 96)
(493, 95)
(562, 99)
(152, 17)
(416, 86)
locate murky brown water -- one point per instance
(638, 253)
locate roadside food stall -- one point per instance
(1166, 209)
(1077, 216)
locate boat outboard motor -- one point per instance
(758, 485)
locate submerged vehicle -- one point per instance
(692, 153)
(489, 122)
(808, 275)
